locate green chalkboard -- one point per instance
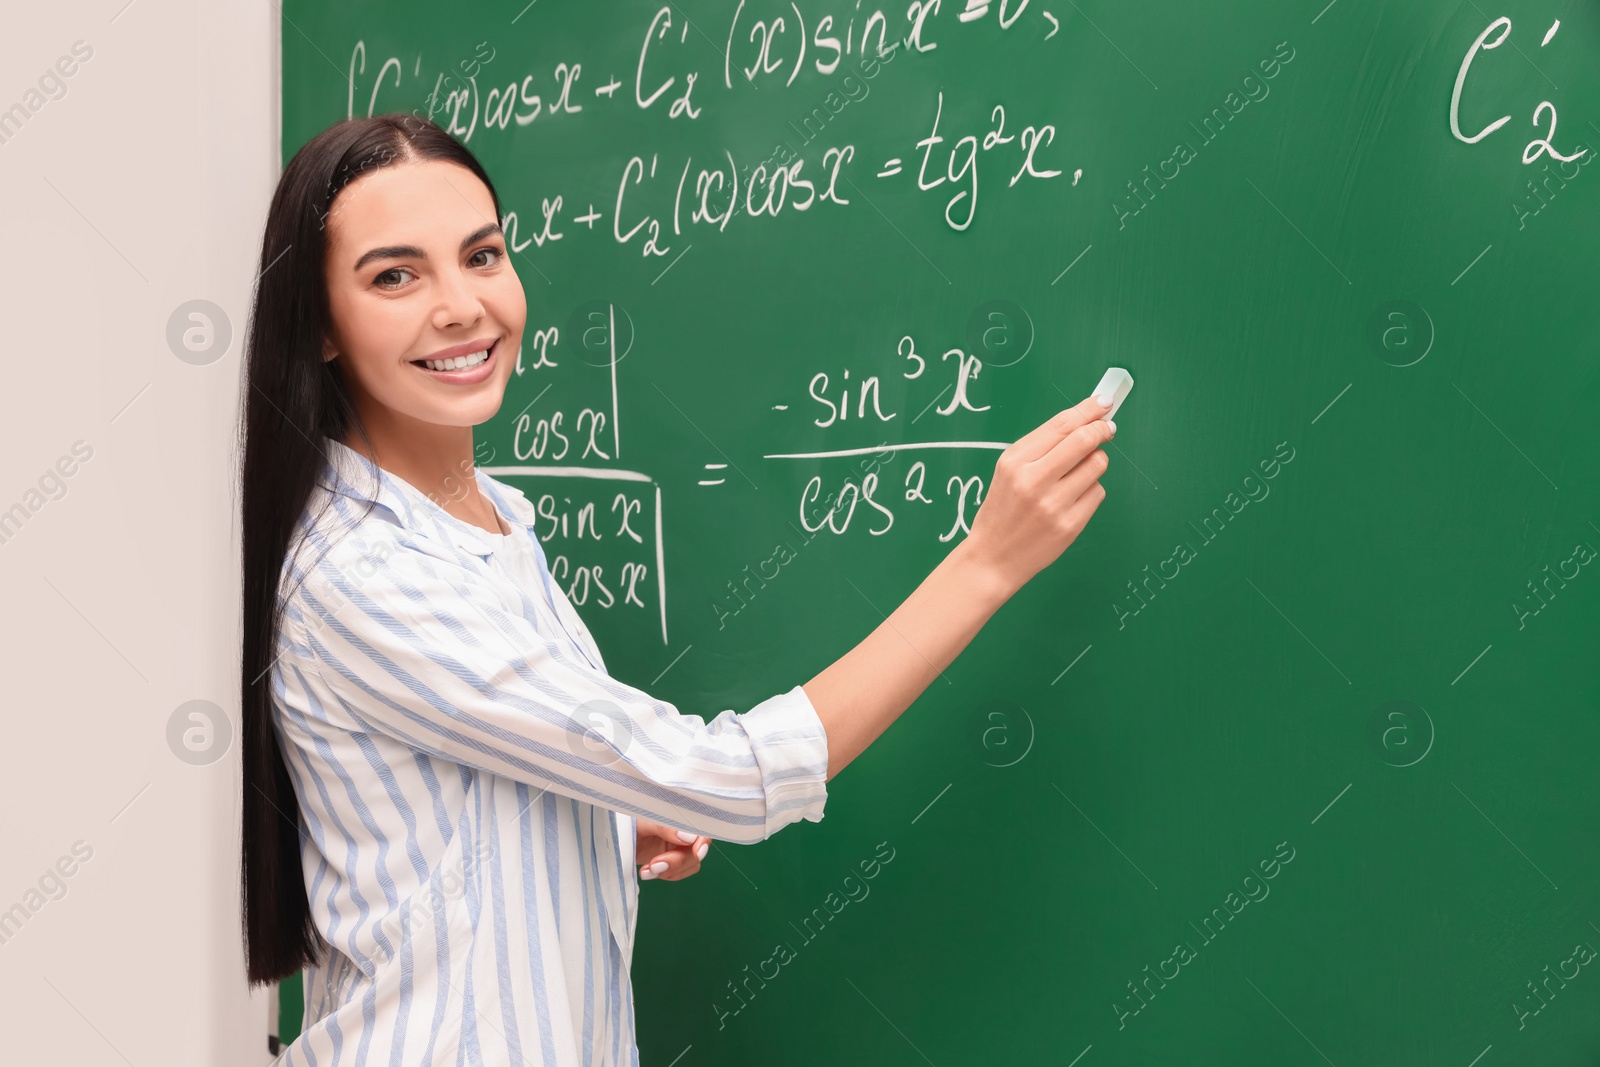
(1291, 758)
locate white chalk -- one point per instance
(1116, 383)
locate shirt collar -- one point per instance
(358, 478)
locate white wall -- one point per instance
(144, 186)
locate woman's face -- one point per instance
(416, 270)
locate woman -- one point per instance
(444, 790)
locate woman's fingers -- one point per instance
(1078, 480)
(1042, 438)
(677, 863)
(1073, 447)
(670, 866)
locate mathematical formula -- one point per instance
(488, 94)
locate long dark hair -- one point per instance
(292, 398)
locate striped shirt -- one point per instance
(469, 776)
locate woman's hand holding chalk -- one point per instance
(1046, 487)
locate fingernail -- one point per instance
(700, 853)
(658, 867)
(645, 873)
(1113, 427)
(1105, 400)
(686, 837)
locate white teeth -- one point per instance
(458, 363)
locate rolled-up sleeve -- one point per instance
(396, 640)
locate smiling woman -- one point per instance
(420, 698)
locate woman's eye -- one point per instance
(489, 251)
(383, 280)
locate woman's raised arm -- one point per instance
(1044, 490)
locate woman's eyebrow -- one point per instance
(413, 252)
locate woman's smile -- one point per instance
(465, 364)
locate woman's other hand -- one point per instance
(1044, 490)
(668, 854)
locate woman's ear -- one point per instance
(328, 350)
